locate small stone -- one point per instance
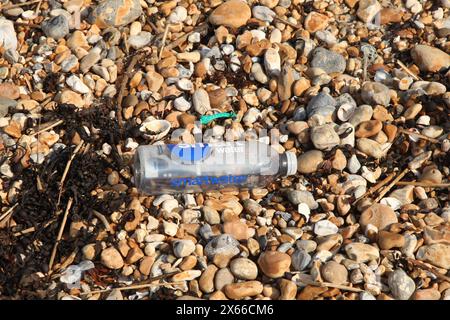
(244, 269)
(375, 93)
(322, 104)
(56, 27)
(379, 215)
(437, 254)
(324, 137)
(222, 278)
(272, 62)
(210, 215)
(111, 258)
(388, 240)
(237, 228)
(77, 85)
(285, 82)
(9, 91)
(117, 13)
(288, 289)
(405, 195)
(170, 228)
(372, 148)
(8, 36)
(430, 59)
(134, 255)
(361, 252)
(200, 100)
(328, 61)
(315, 21)
(183, 248)
(339, 161)
(232, 13)
(140, 40)
(263, 13)
(241, 290)
(401, 285)
(301, 196)
(309, 161)
(300, 259)
(334, 272)
(431, 174)
(368, 128)
(274, 263)
(367, 10)
(145, 266)
(427, 294)
(325, 228)
(206, 281)
(224, 244)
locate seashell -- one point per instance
(345, 111)
(155, 129)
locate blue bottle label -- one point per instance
(189, 153)
(209, 180)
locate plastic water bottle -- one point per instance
(187, 168)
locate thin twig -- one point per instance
(16, 5)
(38, 7)
(10, 210)
(69, 259)
(389, 187)
(33, 229)
(46, 128)
(147, 284)
(201, 28)
(423, 184)
(123, 85)
(66, 171)
(379, 185)
(404, 67)
(332, 285)
(60, 233)
(421, 136)
(163, 41)
(427, 268)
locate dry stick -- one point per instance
(423, 184)
(10, 210)
(163, 44)
(66, 170)
(421, 136)
(51, 126)
(183, 38)
(427, 268)
(389, 187)
(404, 67)
(379, 185)
(332, 285)
(138, 286)
(32, 229)
(123, 85)
(69, 259)
(16, 5)
(38, 7)
(60, 233)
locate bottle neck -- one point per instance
(288, 164)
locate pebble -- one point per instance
(430, 59)
(263, 13)
(315, 21)
(437, 254)
(206, 281)
(300, 259)
(328, 61)
(243, 268)
(372, 148)
(401, 285)
(242, 290)
(325, 228)
(322, 104)
(8, 36)
(368, 9)
(297, 197)
(56, 27)
(200, 100)
(140, 40)
(388, 240)
(77, 84)
(368, 128)
(285, 82)
(334, 272)
(116, 13)
(361, 252)
(183, 248)
(111, 258)
(309, 161)
(427, 294)
(222, 278)
(272, 62)
(223, 244)
(274, 264)
(231, 13)
(324, 137)
(379, 215)
(375, 93)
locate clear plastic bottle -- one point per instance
(185, 168)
